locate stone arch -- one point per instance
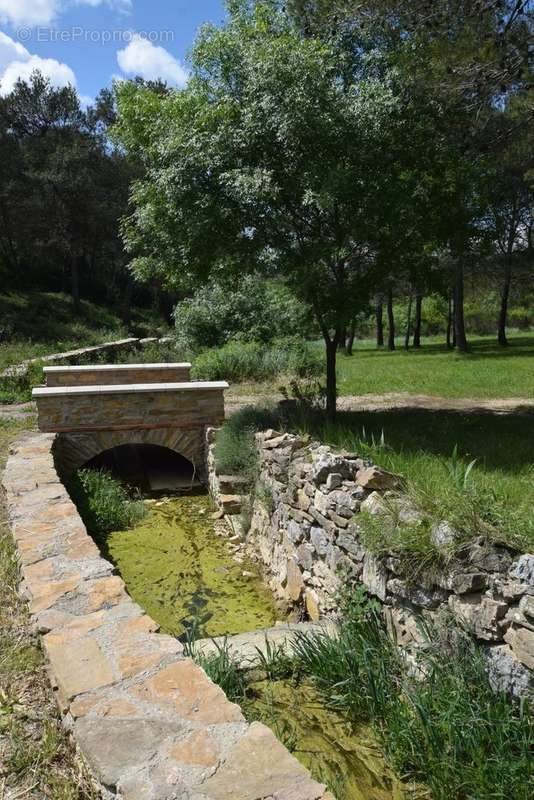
(73, 450)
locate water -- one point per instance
(347, 759)
(183, 575)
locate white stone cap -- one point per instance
(129, 388)
(104, 367)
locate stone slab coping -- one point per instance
(131, 388)
(104, 367)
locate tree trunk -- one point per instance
(75, 284)
(450, 322)
(379, 324)
(408, 323)
(331, 384)
(350, 339)
(391, 321)
(505, 295)
(342, 340)
(459, 320)
(418, 320)
(127, 304)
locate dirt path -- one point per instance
(402, 401)
(17, 411)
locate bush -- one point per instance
(235, 448)
(252, 310)
(103, 503)
(254, 361)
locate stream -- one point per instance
(186, 578)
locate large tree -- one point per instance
(278, 157)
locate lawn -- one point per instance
(487, 371)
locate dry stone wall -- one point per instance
(304, 531)
(147, 720)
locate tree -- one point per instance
(274, 157)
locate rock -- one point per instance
(305, 556)
(523, 570)
(526, 607)
(303, 501)
(348, 541)
(346, 504)
(217, 514)
(321, 502)
(404, 627)
(443, 535)
(376, 478)
(294, 532)
(294, 584)
(466, 582)
(507, 674)
(327, 464)
(333, 557)
(232, 484)
(230, 503)
(374, 504)
(374, 577)
(488, 557)
(521, 640)
(319, 540)
(425, 598)
(312, 605)
(334, 480)
(482, 615)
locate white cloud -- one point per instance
(28, 12)
(141, 57)
(43, 12)
(59, 74)
(16, 62)
(11, 51)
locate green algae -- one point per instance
(184, 576)
(347, 759)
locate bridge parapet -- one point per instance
(136, 406)
(117, 374)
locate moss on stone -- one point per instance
(184, 576)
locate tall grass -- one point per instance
(235, 448)
(448, 729)
(103, 503)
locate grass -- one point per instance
(37, 757)
(448, 731)
(104, 504)
(486, 371)
(40, 323)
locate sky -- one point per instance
(88, 43)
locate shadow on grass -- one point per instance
(497, 442)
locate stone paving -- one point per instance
(147, 720)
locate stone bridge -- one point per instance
(95, 409)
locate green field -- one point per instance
(487, 371)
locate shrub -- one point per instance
(235, 447)
(253, 361)
(104, 504)
(252, 310)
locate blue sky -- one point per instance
(88, 42)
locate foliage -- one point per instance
(443, 726)
(222, 668)
(103, 503)
(253, 361)
(252, 309)
(235, 447)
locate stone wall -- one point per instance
(304, 531)
(147, 720)
(117, 374)
(94, 408)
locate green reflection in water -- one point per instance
(179, 571)
(347, 760)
